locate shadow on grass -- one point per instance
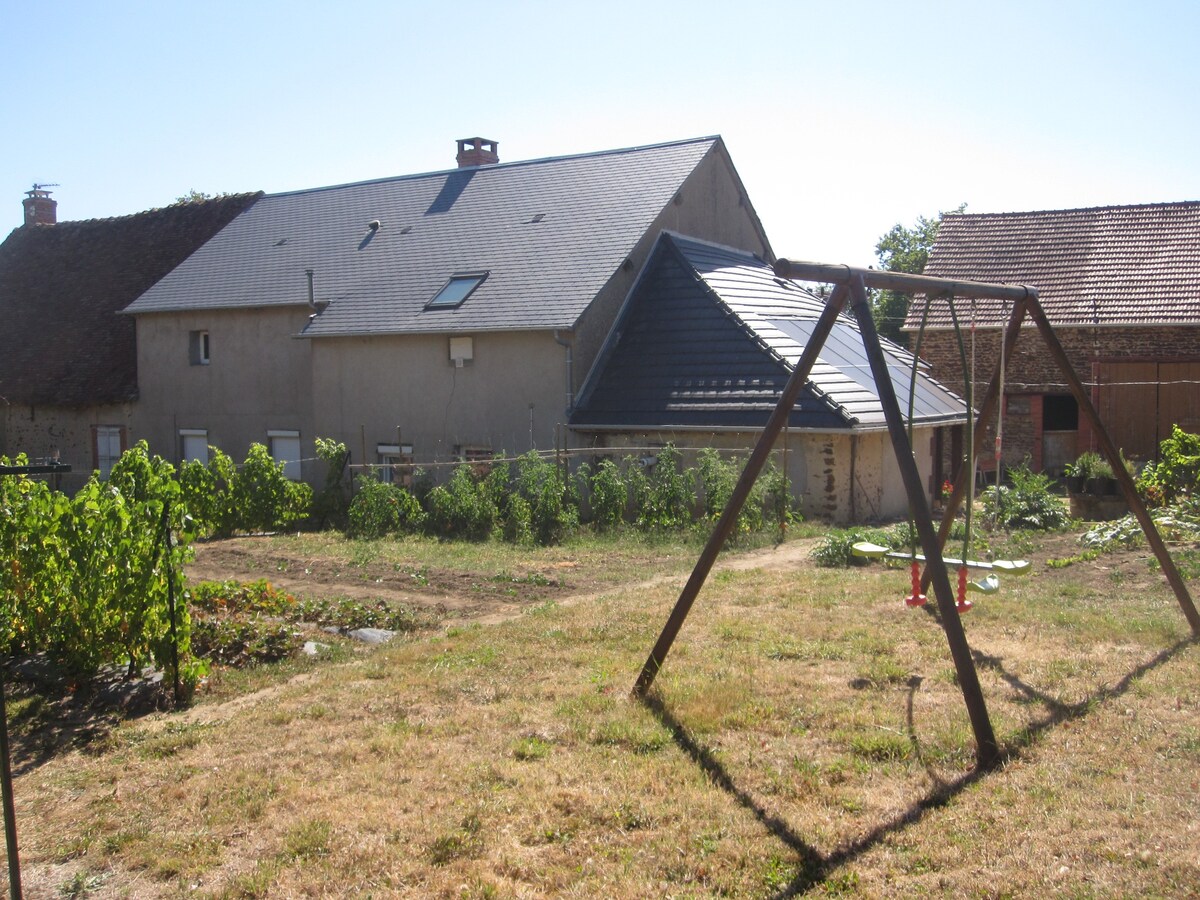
(46, 719)
(815, 866)
(1059, 712)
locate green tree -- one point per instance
(903, 249)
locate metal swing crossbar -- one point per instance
(851, 285)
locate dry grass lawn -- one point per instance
(807, 735)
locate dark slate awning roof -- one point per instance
(549, 233)
(1110, 265)
(709, 337)
(61, 287)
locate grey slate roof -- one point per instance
(549, 232)
(1109, 265)
(709, 337)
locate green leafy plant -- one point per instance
(666, 494)
(88, 581)
(544, 487)
(331, 503)
(836, 549)
(241, 642)
(464, 507)
(1027, 502)
(208, 492)
(1176, 475)
(608, 495)
(380, 509)
(267, 500)
(1083, 466)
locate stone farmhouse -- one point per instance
(454, 315)
(68, 364)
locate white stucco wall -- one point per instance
(509, 397)
(258, 379)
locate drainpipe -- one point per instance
(570, 369)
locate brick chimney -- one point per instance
(40, 209)
(477, 152)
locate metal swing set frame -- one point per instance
(850, 286)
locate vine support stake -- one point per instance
(6, 785)
(170, 574)
(10, 813)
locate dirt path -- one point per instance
(464, 597)
(249, 559)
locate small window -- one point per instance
(108, 443)
(456, 290)
(1060, 412)
(198, 348)
(193, 445)
(473, 453)
(285, 448)
(395, 463)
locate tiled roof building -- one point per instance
(68, 360)
(1109, 265)
(1121, 286)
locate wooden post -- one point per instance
(987, 750)
(741, 490)
(1128, 489)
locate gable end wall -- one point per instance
(712, 207)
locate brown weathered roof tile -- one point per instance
(62, 342)
(1109, 265)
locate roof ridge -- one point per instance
(1077, 209)
(388, 179)
(157, 210)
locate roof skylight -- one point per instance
(457, 289)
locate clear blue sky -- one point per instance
(843, 118)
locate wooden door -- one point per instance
(1178, 397)
(1128, 406)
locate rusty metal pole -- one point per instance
(741, 491)
(1114, 459)
(987, 750)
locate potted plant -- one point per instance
(1085, 468)
(1076, 475)
(1101, 481)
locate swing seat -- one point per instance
(868, 550)
(989, 584)
(1012, 566)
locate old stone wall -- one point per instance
(1032, 374)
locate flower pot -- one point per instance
(1075, 484)
(1096, 487)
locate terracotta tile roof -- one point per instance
(62, 342)
(1109, 265)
